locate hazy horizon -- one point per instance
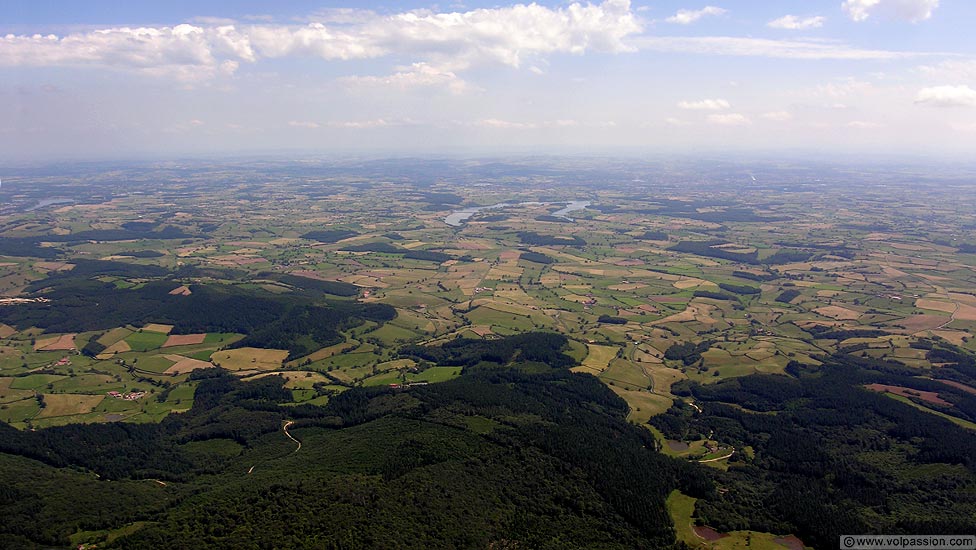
(832, 78)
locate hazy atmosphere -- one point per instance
(110, 79)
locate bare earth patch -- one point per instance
(183, 340)
(181, 291)
(927, 396)
(61, 343)
(917, 323)
(54, 266)
(959, 385)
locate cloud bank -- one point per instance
(442, 43)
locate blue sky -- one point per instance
(117, 79)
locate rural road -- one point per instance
(285, 429)
(716, 459)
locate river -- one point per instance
(458, 217)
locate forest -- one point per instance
(518, 450)
(300, 322)
(830, 457)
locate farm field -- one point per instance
(679, 305)
(758, 289)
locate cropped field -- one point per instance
(145, 340)
(248, 359)
(64, 404)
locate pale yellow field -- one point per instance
(6, 331)
(837, 312)
(953, 336)
(185, 364)
(598, 357)
(156, 327)
(325, 353)
(8, 395)
(119, 347)
(250, 359)
(643, 404)
(663, 377)
(113, 336)
(935, 305)
(699, 312)
(63, 404)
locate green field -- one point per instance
(145, 340)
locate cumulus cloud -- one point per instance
(704, 105)
(909, 10)
(303, 124)
(183, 52)
(795, 23)
(947, 96)
(687, 17)
(729, 119)
(449, 41)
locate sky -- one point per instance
(116, 79)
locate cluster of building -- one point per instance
(401, 386)
(131, 396)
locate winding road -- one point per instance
(285, 429)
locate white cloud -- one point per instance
(863, 125)
(676, 121)
(416, 75)
(184, 52)
(846, 87)
(909, 10)
(778, 116)
(795, 23)
(184, 126)
(952, 70)
(450, 41)
(365, 124)
(762, 47)
(510, 125)
(303, 124)
(686, 17)
(729, 119)
(947, 96)
(704, 105)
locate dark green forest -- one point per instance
(300, 321)
(518, 451)
(831, 457)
